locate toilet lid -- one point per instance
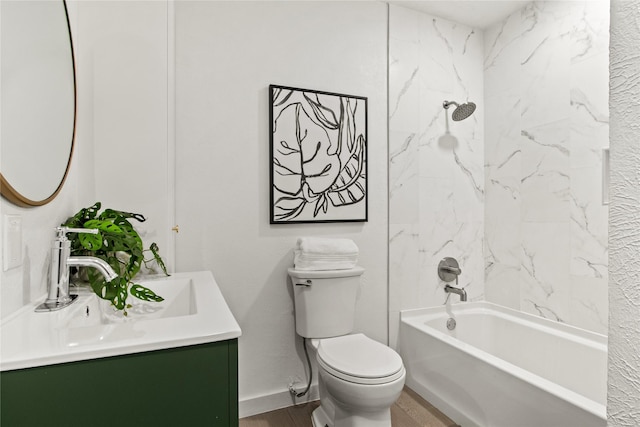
(359, 359)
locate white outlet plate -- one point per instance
(12, 242)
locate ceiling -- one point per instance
(473, 13)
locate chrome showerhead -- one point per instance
(462, 111)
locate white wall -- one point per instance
(547, 121)
(624, 259)
(227, 54)
(125, 158)
(436, 194)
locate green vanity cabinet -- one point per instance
(184, 386)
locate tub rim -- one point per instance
(415, 319)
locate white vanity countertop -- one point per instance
(196, 314)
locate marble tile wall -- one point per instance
(436, 174)
(546, 101)
(513, 192)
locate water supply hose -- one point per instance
(306, 390)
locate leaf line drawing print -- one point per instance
(318, 156)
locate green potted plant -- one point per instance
(120, 245)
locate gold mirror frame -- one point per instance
(9, 192)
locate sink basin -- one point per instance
(193, 312)
(179, 300)
(87, 320)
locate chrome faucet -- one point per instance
(449, 270)
(61, 259)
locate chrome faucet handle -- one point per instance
(454, 270)
(449, 269)
(62, 231)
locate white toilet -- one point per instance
(359, 378)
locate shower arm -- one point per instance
(447, 104)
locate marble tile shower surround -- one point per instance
(436, 187)
(546, 100)
(514, 191)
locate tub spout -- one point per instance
(460, 291)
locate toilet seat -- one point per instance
(359, 359)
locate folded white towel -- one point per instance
(321, 253)
(326, 246)
(305, 261)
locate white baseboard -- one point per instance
(270, 402)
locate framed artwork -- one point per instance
(318, 149)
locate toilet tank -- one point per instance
(325, 301)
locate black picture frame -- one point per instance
(318, 156)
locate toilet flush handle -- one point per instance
(307, 282)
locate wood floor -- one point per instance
(410, 410)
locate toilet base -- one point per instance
(319, 418)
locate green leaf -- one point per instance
(133, 267)
(105, 290)
(83, 216)
(144, 294)
(91, 242)
(92, 211)
(104, 226)
(114, 262)
(110, 213)
(156, 256)
(120, 299)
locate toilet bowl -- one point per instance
(359, 379)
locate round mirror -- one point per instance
(38, 100)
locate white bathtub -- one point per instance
(503, 368)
